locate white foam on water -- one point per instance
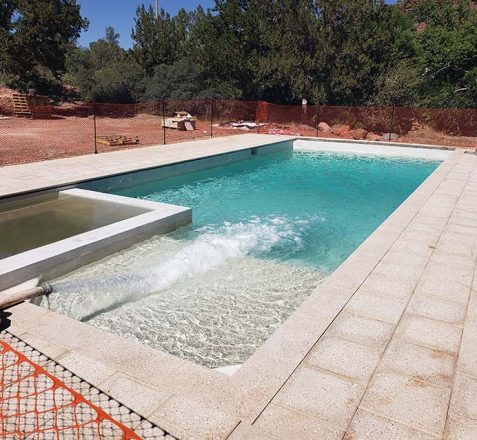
(212, 299)
(180, 260)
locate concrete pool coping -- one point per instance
(262, 400)
(18, 180)
(69, 172)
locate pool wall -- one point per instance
(368, 148)
(177, 169)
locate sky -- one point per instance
(120, 14)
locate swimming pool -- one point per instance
(265, 231)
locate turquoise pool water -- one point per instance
(322, 205)
(265, 232)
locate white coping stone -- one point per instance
(375, 149)
(118, 200)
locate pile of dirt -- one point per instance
(6, 100)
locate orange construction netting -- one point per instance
(36, 405)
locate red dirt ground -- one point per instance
(29, 140)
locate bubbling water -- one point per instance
(212, 298)
(171, 262)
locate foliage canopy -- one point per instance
(35, 37)
(341, 52)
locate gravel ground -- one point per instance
(29, 140)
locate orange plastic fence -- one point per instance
(36, 405)
(72, 129)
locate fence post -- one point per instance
(164, 122)
(94, 128)
(257, 119)
(211, 118)
(393, 115)
(317, 116)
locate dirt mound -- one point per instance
(6, 100)
(5, 92)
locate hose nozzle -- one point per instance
(47, 288)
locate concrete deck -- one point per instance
(37, 176)
(385, 348)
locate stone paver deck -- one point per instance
(400, 358)
(18, 179)
(386, 348)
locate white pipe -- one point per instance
(17, 298)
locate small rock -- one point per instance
(373, 136)
(324, 127)
(347, 135)
(339, 129)
(359, 133)
(388, 137)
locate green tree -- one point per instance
(282, 42)
(447, 43)
(361, 39)
(35, 37)
(105, 72)
(257, 49)
(442, 13)
(401, 85)
(182, 80)
(340, 52)
(153, 38)
(6, 40)
(217, 49)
